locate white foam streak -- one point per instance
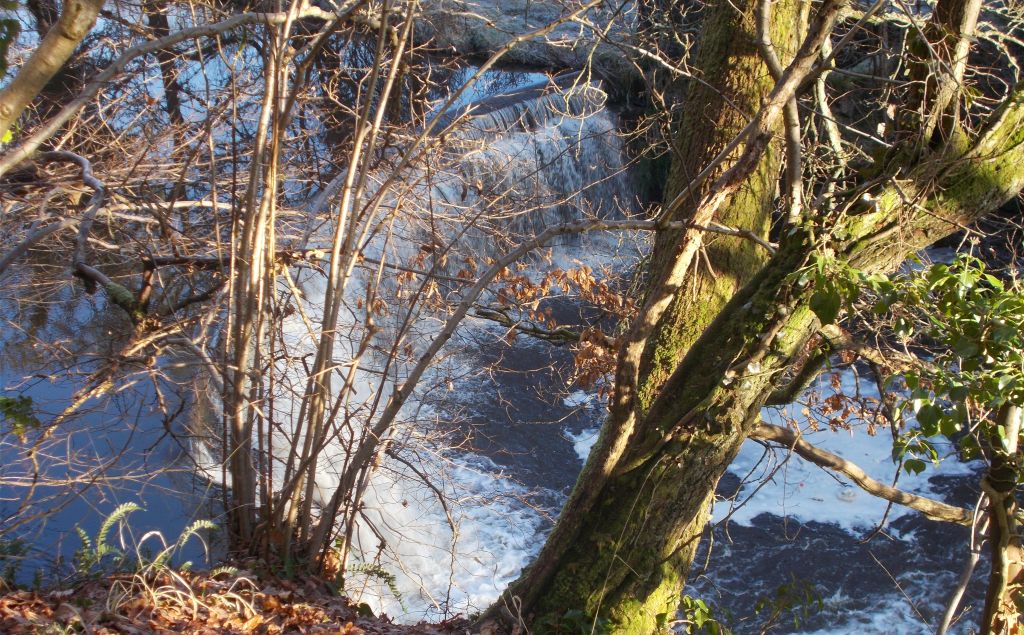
(801, 490)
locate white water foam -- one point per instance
(442, 532)
(584, 440)
(908, 602)
(886, 614)
(798, 489)
(447, 560)
(801, 490)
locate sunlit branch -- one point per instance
(790, 115)
(76, 20)
(31, 143)
(933, 509)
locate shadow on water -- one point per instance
(826, 579)
(128, 445)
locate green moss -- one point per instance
(630, 566)
(737, 81)
(124, 298)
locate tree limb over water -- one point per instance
(794, 441)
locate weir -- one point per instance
(544, 154)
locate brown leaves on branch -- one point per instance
(595, 360)
(843, 409)
(518, 301)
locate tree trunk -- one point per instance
(938, 75)
(631, 566)
(735, 83)
(628, 559)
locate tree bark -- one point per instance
(1002, 611)
(735, 83)
(630, 567)
(49, 58)
(629, 557)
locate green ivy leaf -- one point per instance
(826, 303)
(965, 347)
(17, 411)
(949, 426)
(914, 466)
(969, 448)
(928, 416)
(958, 392)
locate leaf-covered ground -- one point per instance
(172, 602)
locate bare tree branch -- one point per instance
(31, 143)
(556, 336)
(977, 542)
(53, 52)
(790, 115)
(933, 509)
(31, 239)
(117, 293)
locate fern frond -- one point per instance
(84, 537)
(224, 570)
(119, 514)
(382, 574)
(195, 528)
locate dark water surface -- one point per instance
(821, 577)
(126, 446)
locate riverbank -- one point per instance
(198, 603)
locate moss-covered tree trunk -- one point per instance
(734, 81)
(629, 561)
(629, 555)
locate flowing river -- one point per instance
(789, 541)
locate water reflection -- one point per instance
(124, 445)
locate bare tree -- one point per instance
(317, 283)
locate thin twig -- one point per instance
(791, 115)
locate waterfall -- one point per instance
(549, 149)
(514, 164)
